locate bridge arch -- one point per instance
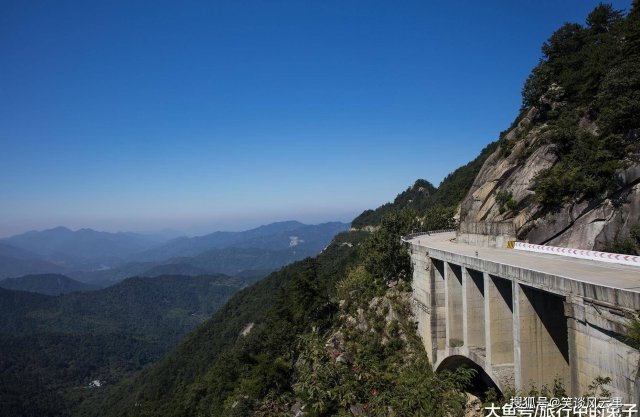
(483, 380)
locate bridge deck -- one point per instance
(600, 273)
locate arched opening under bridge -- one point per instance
(482, 382)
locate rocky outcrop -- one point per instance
(473, 406)
(503, 192)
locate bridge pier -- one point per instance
(542, 338)
(475, 309)
(500, 339)
(454, 302)
(439, 331)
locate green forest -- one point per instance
(589, 75)
(53, 347)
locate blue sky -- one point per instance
(206, 115)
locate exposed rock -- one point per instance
(336, 341)
(368, 228)
(358, 410)
(297, 410)
(582, 224)
(336, 348)
(247, 329)
(345, 357)
(473, 406)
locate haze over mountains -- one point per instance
(15, 262)
(84, 248)
(104, 258)
(48, 284)
(59, 335)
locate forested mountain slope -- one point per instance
(48, 284)
(567, 172)
(53, 347)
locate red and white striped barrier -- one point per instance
(614, 258)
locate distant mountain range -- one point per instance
(84, 248)
(16, 262)
(102, 258)
(275, 236)
(49, 284)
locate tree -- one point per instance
(566, 40)
(603, 17)
(384, 255)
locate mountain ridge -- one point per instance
(48, 284)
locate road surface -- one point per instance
(625, 277)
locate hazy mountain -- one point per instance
(84, 248)
(17, 262)
(109, 276)
(181, 268)
(103, 258)
(49, 284)
(273, 236)
(235, 260)
(261, 250)
(230, 261)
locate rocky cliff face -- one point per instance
(503, 192)
(567, 172)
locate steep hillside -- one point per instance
(311, 337)
(53, 347)
(567, 172)
(201, 364)
(418, 197)
(48, 284)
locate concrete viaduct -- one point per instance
(525, 318)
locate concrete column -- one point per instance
(500, 308)
(573, 312)
(543, 340)
(517, 338)
(465, 313)
(421, 304)
(474, 296)
(438, 303)
(486, 278)
(453, 277)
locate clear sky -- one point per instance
(206, 115)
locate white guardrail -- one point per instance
(614, 258)
(410, 236)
